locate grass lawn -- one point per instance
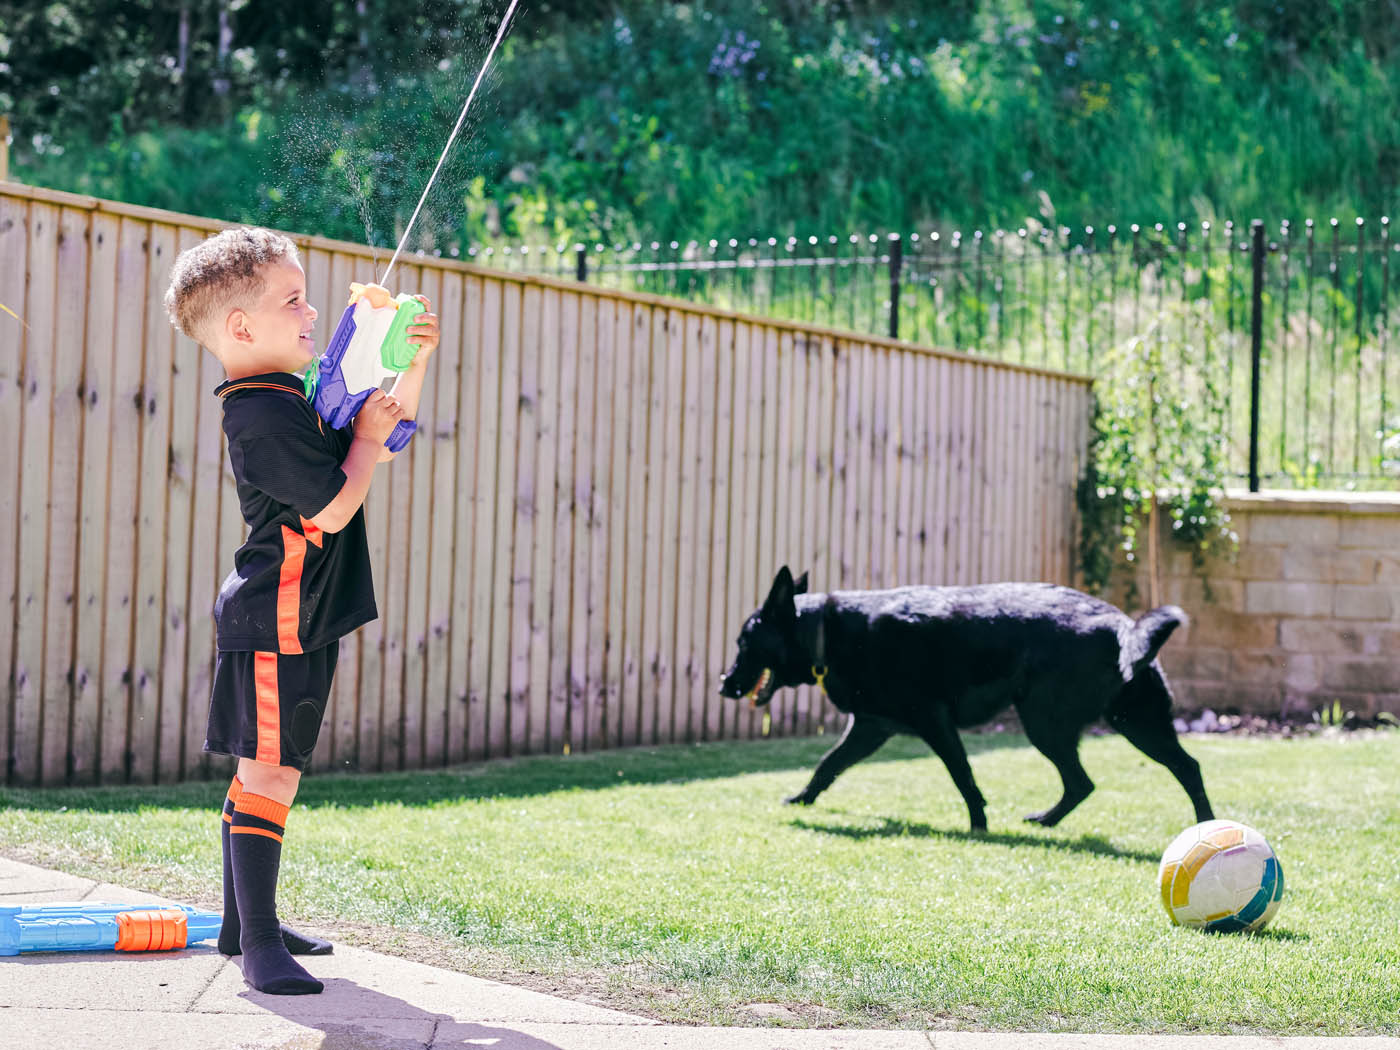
(673, 881)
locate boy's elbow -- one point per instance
(330, 520)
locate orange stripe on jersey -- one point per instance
(269, 711)
(312, 531)
(289, 592)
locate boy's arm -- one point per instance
(373, 425)
(408, 388)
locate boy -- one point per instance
(302, 578)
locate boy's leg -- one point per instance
(267, 709)
(297, 943)
(255, 850)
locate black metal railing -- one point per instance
(1301, 313)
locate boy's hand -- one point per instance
(424, 333)
(377, 417)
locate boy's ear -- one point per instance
(800, 587)
(781, 593)
(236, 326)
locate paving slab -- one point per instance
(362, 985)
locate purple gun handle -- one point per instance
(402, 435)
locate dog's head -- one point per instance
(769, 656)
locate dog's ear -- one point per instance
(800, 587)
(781, 594)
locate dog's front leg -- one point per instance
(942, 735)
(863, 736)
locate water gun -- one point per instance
(370, 344)
(95, 927)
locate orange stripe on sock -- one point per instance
(235, 789)
(263, 808)
(289, 591)
(241, 830)
(269, 713)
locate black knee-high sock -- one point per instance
(255, 847)
(297, 943)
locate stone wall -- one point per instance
(1308, 611)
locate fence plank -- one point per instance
(493, 510)
(14, 264)
(65, 497)
(526, 512)
(640, 588)
(546, 420)
(689, 537)
(720, 340)
(128, 400)
(33, 531)
(596, 389)
(587, 627)
(97, 390)
(558, 688)
(443, 738)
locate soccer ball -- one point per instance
(1221, 876)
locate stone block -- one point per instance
(1195, 662)
(1193, 593)
(1221, 627)
(1328, 566)
(1315, 530)
(1258, 666)
(1321, 636)
(1288, 599)
(1259, 563)
(1362, 675)
(1378, 531)
(1388, 569)
(1302, 673)
(1363, 602)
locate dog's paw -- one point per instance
(799, 799)
(1045, 819)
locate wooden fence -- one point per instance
(601, 489)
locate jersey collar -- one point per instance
(268, 380)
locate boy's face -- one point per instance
(276, 333)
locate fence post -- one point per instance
(4, 148)
(896, 265)
(1256, 343)
(581, 264)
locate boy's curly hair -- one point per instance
(222, 272)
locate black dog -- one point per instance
(929, 660)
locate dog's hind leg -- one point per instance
(863, 736)
(941, 734)
(1058, 740)
(1142, 713)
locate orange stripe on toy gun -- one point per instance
(96, 927)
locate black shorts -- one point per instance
(269, 706)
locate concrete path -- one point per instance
(197, 998)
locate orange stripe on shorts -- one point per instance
(269, 709)
(289, 591)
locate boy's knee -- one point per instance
(278, 783)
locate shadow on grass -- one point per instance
(505, 778)
(892, 827)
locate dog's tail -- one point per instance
(1146, 636)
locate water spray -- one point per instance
(500, 35)
(370, 344)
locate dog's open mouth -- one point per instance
(762, 690)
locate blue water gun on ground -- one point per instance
(369, 345)
(97, 927)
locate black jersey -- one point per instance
(294, 588)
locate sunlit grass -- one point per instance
(674, 880)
